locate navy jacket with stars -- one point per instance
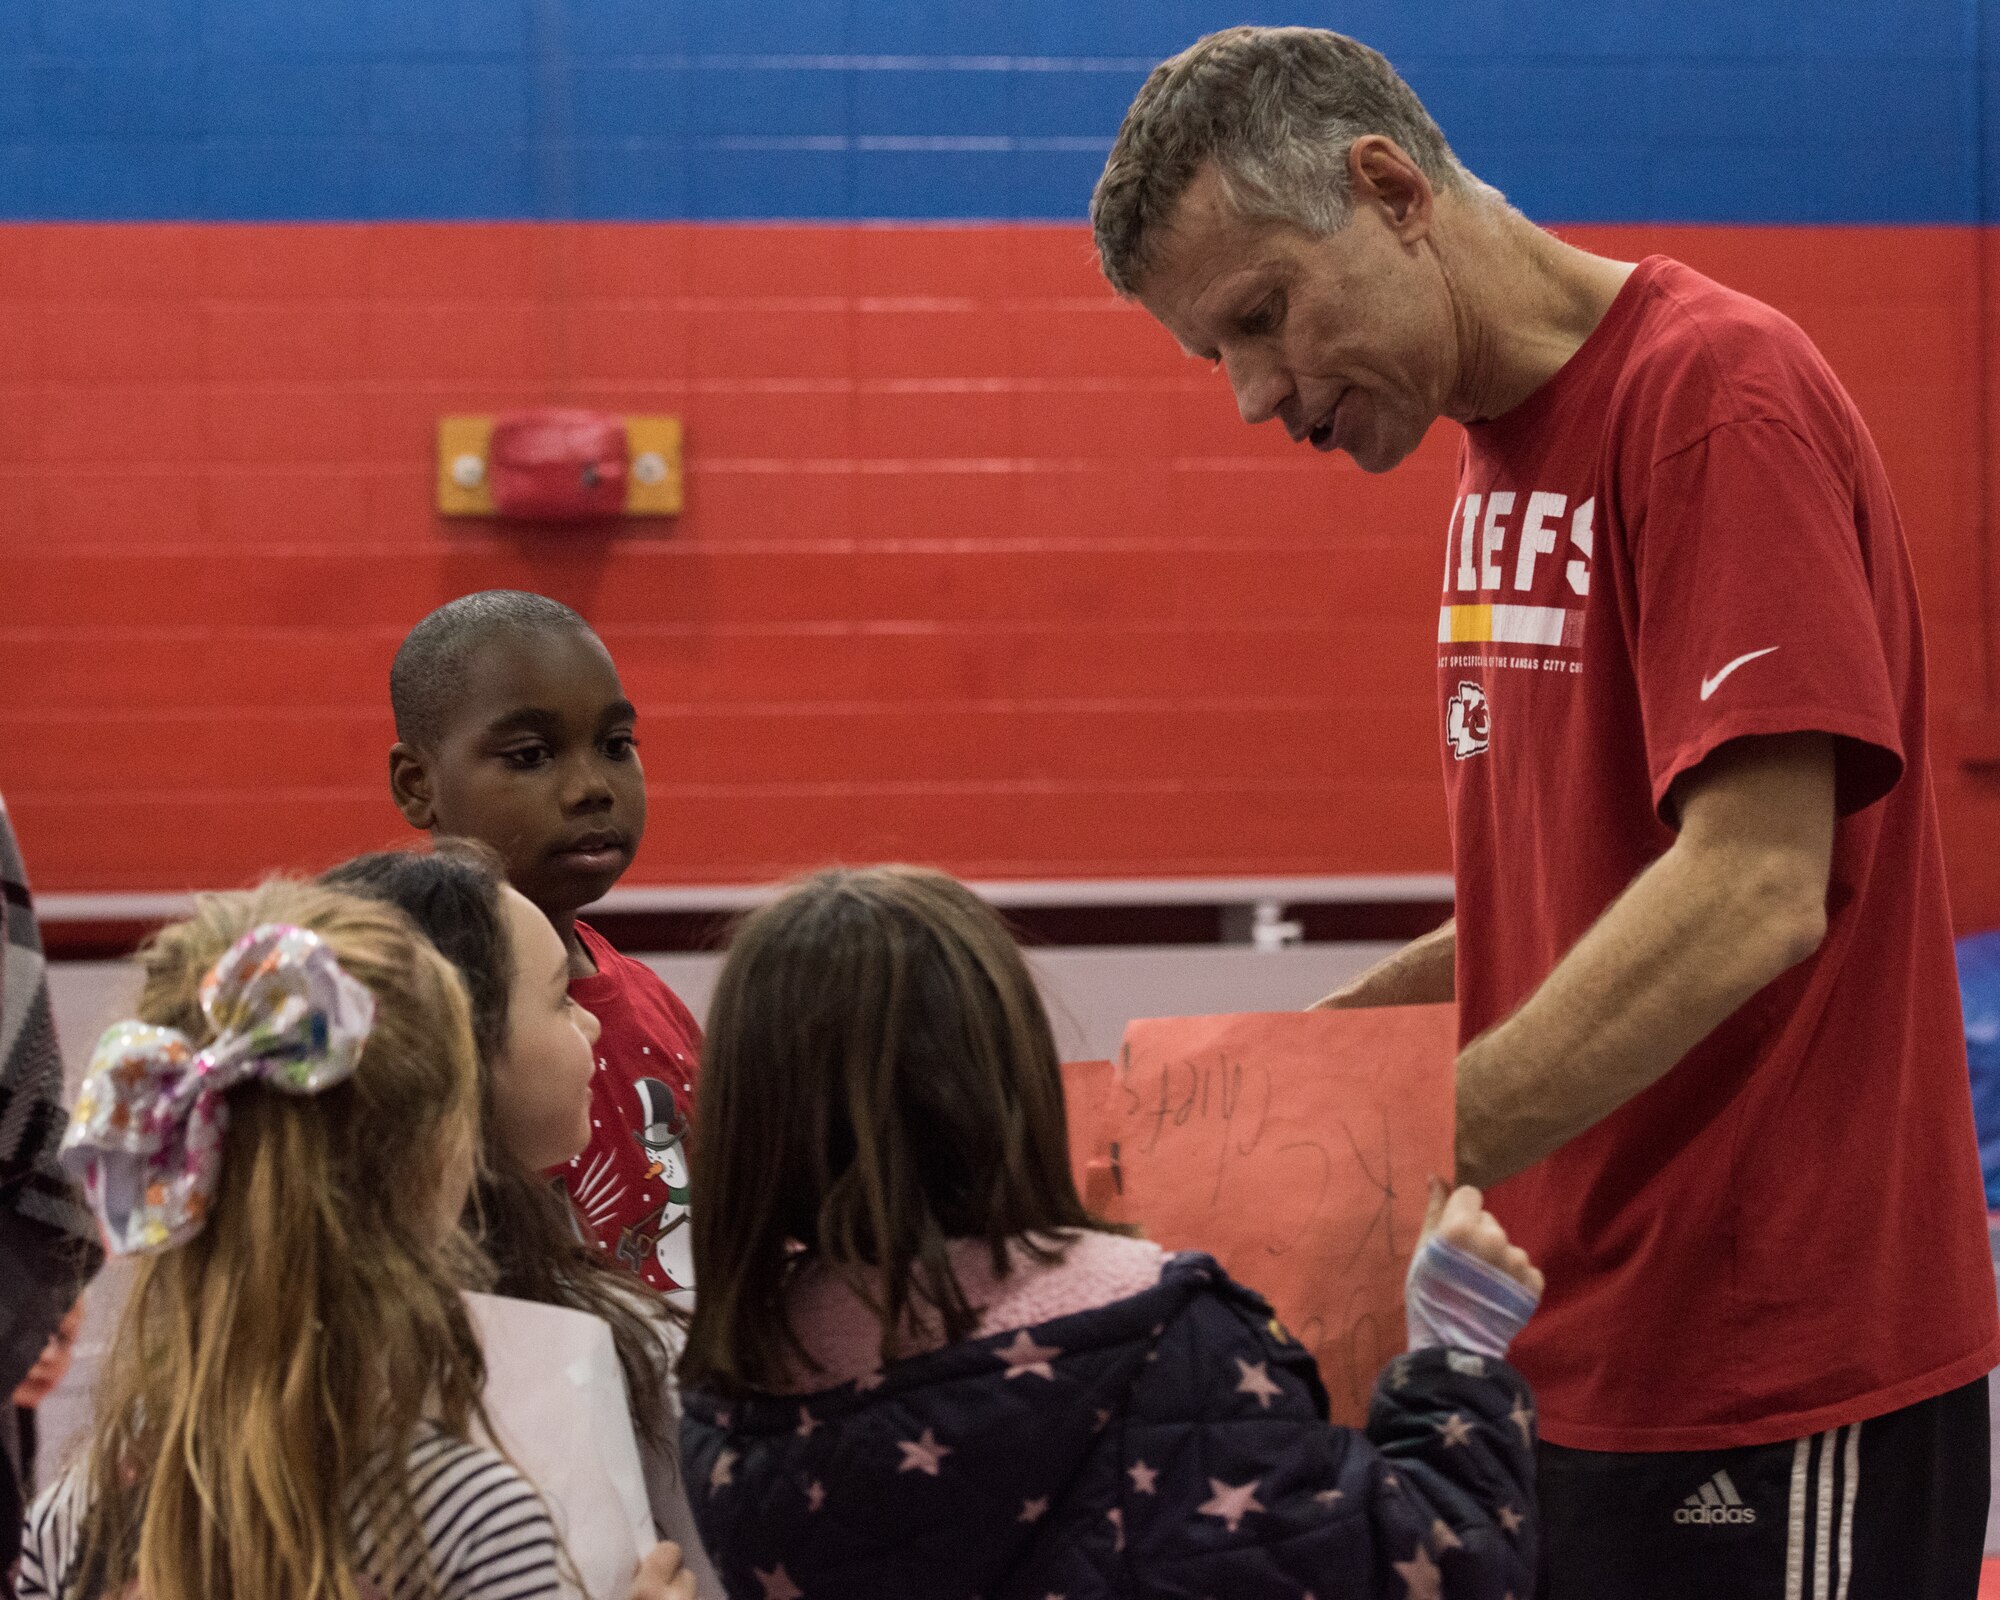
(1170, 1444)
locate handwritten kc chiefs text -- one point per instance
(1517, 572)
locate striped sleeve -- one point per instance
(484, 1528)
(1455, 1299)
(49, 1538)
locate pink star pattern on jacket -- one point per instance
(1523, 1417)
(1421, 1578)
(719, 1474)
(1024, 1357)
(778, 1584)
(923, 1454)
(1232, 1502)
(1257, 1381)
(1422, 1526)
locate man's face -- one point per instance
(541, 765)
(1346, 339)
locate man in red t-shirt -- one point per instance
(513, 729)
(1712, 1066)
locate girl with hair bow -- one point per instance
(285, 1137)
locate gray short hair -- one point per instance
(1276, 110)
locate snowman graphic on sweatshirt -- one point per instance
(662, 1135)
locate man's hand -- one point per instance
(1459, 1217)
(661, 1575)
(1419, 974)
(1739, 898)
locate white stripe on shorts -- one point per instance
(1795, 1530)
(1833, 1535)
(1852, 1468)
(1823, 1531)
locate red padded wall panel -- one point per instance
(975, 566)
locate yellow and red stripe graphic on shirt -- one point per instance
(1557, 627)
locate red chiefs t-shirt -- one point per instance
(630, 1185)
(1686, 537)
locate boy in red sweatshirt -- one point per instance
(512, 729)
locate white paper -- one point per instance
(556, 1395)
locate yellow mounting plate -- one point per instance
(652, 481)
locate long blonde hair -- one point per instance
(315, 1322)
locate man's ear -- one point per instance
(1381, 173)
(410, 786)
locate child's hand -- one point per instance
(1460, 1218)
(661, 1576)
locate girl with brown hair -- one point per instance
(285, 1138)
(536, 1064)
(919, 1366)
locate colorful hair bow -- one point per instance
(146, 1134)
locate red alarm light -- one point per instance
(557, 464)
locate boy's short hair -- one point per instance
(428, 675)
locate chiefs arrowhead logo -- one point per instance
(1468, 722)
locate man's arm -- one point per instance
(1739, 898)
(1421, 973)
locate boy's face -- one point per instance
(539, 763)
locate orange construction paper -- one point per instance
(1295, 1147)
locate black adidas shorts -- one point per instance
(1889, 1509)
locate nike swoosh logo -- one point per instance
(1710, 685)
